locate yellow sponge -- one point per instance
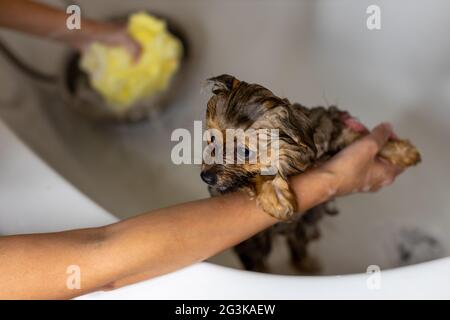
(122, 81)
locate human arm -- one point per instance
(152, 244)
(48, 22)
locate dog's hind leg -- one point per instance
(301, 234)
(253, 252)
(300, 258)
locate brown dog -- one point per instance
(306, 136)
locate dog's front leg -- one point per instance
(399, 152)
(275, 197)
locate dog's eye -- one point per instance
(244, 152)
(213, 138)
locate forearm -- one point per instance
(195, 231)
(34, 266)
(45, 21)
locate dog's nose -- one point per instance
(209, 177)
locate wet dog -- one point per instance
(305, 137)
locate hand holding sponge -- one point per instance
(122, 81)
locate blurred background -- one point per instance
(313, 52)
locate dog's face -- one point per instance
(238, 105)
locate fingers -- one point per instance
(378, 137)
(112, 34)
(384, 174)
(126, 41)
(135, 50)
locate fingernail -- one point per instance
(393, 136)
(388, 126)
(384, 125)
(387, 129)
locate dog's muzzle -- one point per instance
(209, 176)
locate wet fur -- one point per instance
(307, 137)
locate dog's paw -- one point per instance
(276, 198)
(401, 153)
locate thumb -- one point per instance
(379, 136)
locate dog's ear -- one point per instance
(297, 126)
(223, 83)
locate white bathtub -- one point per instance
(52, 204)
(312, 52)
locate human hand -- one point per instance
(357, 168)
(111, 35)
